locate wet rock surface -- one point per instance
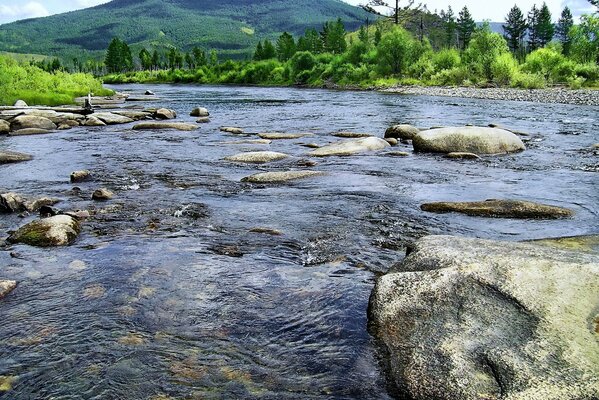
(402, 131)
(180, 126)
(281, 176)
(7, 157)
(6, 287)
(467, 139)
(500, 209)
(471, 319)
(60, 230)
(349, 147)
(258, 157)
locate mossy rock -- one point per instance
(60, 230)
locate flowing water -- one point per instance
(168, 294)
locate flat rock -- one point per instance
(281, 176)
(250, 141)
(6, 287)
(102, 194)
(165, 113)
(468, 139)
(463, 156)
(31, 121)
(30, 131)
(402, 131)
(60, 230)
(7, 157)
(351, 135)
(349, 147)
(4, 127)
(231, 129)
(133, 114)
(283, 136)
(584, 243)
(93, 121)
(500, 209)
(112, 118)
(258, 157)
(181, 126)
(397, 154)
(477, 319)
(199, 112)
(203, 120)
(266, 231)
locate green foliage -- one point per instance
(446, 59)
(286, 47)
(466, 27)
(515, 29)
(118, 56)
(333, 37)
(585, 40)
(395, 51)
(38, 87)
(483, 50)
(300, 64)
(563, 28)
(547, 63)
(504, 68)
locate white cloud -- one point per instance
(32, 9)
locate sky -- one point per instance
(494, 10)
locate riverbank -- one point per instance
(558, 95)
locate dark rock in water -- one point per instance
(230, 250)
(31, 121)
(80, 176)
(402, 131)
(203, 120)
(49, 211)
(267, 231)
(149, 93)
(397, 154)
(193, 211)
(231, 129)
(59, 230)
(478, 319)
(165, 113)
(102, 194)
(199, 112)
(500, 209)
(6, 287)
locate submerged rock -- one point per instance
(392, 141)
(349, 147)
(149, 93)
(60, 230)
(12, 202)
(112, 119)
(351, 135)
(279, 136)
(463, 156)
(134, 115)
(102, 194)
(31, 121)
(500, 209)
(478, 319)
(281, 176)
(250, 141)
(231, 129)
(267, 231)
(584, 243)
(258, 157)
(402, 131)
(7, 157)
(30, 131)
(468, 139)
(181, 126)
(6, 287)
(80, 176)
(203, 120)
(199, 112)
(397, 154)
(165, 113)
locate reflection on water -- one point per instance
(169, 294)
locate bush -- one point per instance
(484, 48)
(528, 81)
(503, 69)
(446, 59)
(300, 64)
(545, 62)
(395, 51)
(451, 77)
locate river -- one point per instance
(168, 294)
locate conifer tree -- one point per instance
(515, 29)
(448, 18)
(533, 28)
(333, 37)
(145, 59)
(118, 56)
(155, 59)
(199, 57)
(466, 27)
(363, 35)
(378, 34)
(562, 30)
(286, 47)
(259, 53)
(545, 27)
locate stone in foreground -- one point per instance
(500, 209)
(402, 131)
(112, 119)
(6, 287)
(31, 121)
(165, 113)
(477, 319)
(30, 132)
(349, 147)
(181, 126)
(4, 127)
(280, 176)
(60, 230)
(7, 157)
(351, 135)
(467, 139)
(257, 157)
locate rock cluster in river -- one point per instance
(478, 319)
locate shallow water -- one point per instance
(146, 305)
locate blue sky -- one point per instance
(12, 10)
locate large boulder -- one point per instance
(4, 127)
(349, 147)
(500, 209)
(478, 319)
(31, 121)
(112, 119)
(280, 176)
(165, 113)
(60, 230)
(6, 287)
(468, 139)
(20, 103)
(181, 126)
(7, 157)
(257, 157)
(199, 112)
(402, 131)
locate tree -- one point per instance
(311, 41)
(118, 56)
(585, 40)
(484, 48)
(449, 21)
(466, 27)
(145, 59)
(155, 59)
(199, 57)
(395, 51)
(399, 14)
(259, 53)
(333, 37)
(363, 35)
(545, 27)
(189, 61)
(286, 47)
(270, 51)
(378, 34)
(175, 59)
(562, 30)
(533, 28)
(515, 29)
(213, 57)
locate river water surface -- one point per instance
(168, 294)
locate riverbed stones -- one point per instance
(477, 319)
(231, 129)
(31, 121)
(402, 131)
(258, 157)
(93, 121)
(80, 176)
(7, 157)
(180, 126)
(463, 156)
(199, 112)
(102, 194)
(4, 127)
(468, 139)
(60, 230)
(281, 176)
(30, 132)
(6, 287)
(11, 202)
(398, 154)
(500, 209)
(112, 119)
(349, 147)
(283, 136)
(165, 113)
(149, 93)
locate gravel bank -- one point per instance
(552, 95)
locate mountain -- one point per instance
(231, 26)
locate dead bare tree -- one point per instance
(399, 14)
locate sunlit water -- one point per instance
(146, 304)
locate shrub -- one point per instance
(446, 59)
(503, 69)
(395, 51)
(528, 81)
(484, 48)
(544, 62)
(300, 64)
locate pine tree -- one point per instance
(286, 47)
(333, 37)
(363, 35)
(155, 59)
(259, 53)
(562, 30)
(515, 29)
(199, 57)
(378, 34)
(448, 18)
(189, 61)
(545, 27)
(118, 56)
(533, 28)
(466, 27)
(270, 51)
(213, 57)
